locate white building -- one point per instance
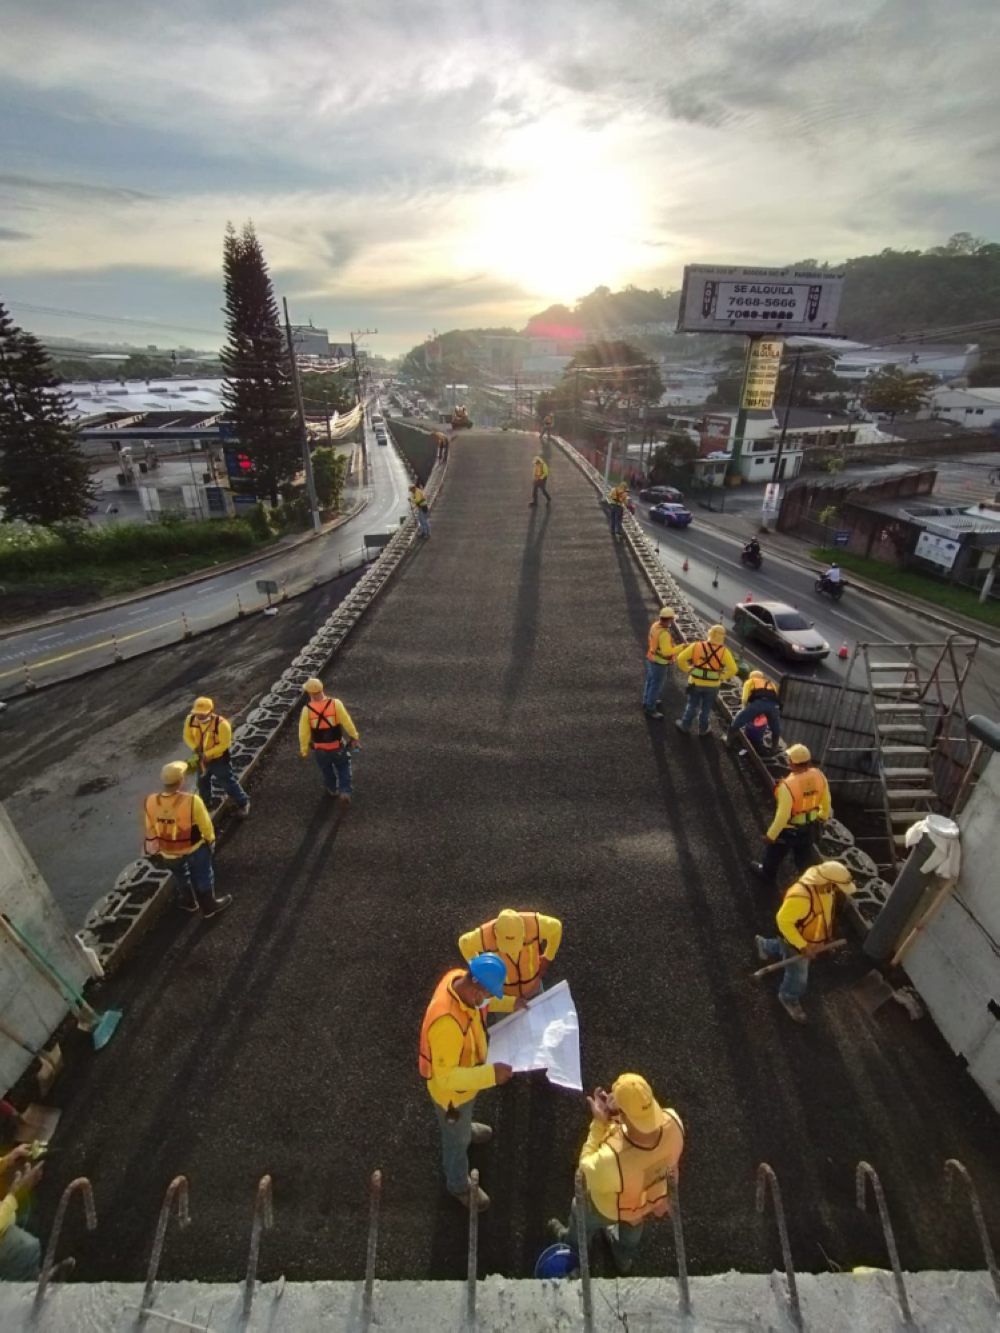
(310, 341)
(978, 409)
(857, 362)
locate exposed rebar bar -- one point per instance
(178, 1188)
(473, 1266)
(583, 1252)
(766, 1178)
(865, 1171)
(683, 1286)
(263, 1220)
(81, 1185)
(370, 1257)
(952, 1168)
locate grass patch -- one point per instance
(948, 596)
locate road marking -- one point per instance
(57, 634)
(92, 648)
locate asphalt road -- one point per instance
(506, 761)
(60, 652)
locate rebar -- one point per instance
(952, 1167)
(373, 1215)
(766, 1178)
(583, 1251)
(865, 1171)
(473, 1266)
(178, 1188)
(81, 1185)
(263, 1220)
(683, 1286)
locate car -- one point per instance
(781, 628)
(655, 495)
(671, 515)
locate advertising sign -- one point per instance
(718, 299)
(940, 551)
(761, 378)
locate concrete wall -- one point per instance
(29, 1006)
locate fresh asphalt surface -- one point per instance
(506, 762)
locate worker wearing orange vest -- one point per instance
(210, 737)
(617, 500)
(326, 728)
(802, 802)
(419, 502)
(452, 1061)
(441, 440)
(527, 942)
(707, 663)
(760, 699)
(633, 1148)
(547, 427)
(805, 920)
(180, 831)
(660, 652)
(540, 481)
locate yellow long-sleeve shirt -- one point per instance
(199, 817)
(8, 1213)
(305, 727)
(541, 470)
(550, 929)
(666, 650)
(796, 909)
(451, 1084)
(748, 688)
(599, 1164)
(197, 736)
(783, 808)
(727, 671)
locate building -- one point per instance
(310, 341)
(977, 409)
(856, 362)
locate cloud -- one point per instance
(69, 190)
(12, 234)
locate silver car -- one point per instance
(782, 628)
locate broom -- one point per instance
(100, 1026)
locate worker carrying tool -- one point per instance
(540, 481)
(326, 727)
(631, 1151)
(760, 699)
(526, 943)
(179, 829)
(617, 500)
(802, 802)
(452, 1061)
(419, 502)
(805, 921)
(707, 663)
(547, 427)
(20, 1251)
(659, 654)
(210, 737)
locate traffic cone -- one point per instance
(748, 597)
(842, 652)
(685, 565)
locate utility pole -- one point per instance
(576, 406)
(355, 334)
(788, 412)
(306, 456)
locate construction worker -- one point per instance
(661, 652)
(805, 922)
(547, 427)
(707, 663)
(419, 502)
(617, 500)
(802, 800)
(210, 736)
(179, 829)
(540, 481)
(441, 440)
(632, 1149)
(452, 1060)
(20, 1251)
(760, 698)
(526, 942)
(323, 723)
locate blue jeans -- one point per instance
(655, 673)
(425, 527)
(616, 516)
(335, 766)
(194, 873)
(221, 770)
(456, 1135)
(543, 487)
(768, 707)
(20, 1255)
(795, 977)
(800, 840)
(623, 1246)
(699, 697)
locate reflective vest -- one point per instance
(817, 927)
(644, 1171)
(541, 470)
(522, 972)
(653, 653)
(444, 1003)
(807, 791)
(327, 733)
(170, 827)
(207, 733)
(707, 661)
(549, 422)
(418, 498)
(618, 496)
(439, 439)
(762, 689)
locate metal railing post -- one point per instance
(263, 1220)
(473, 1261)
(372, 1252)
(583, 1251)
(178, 1188)
(766, 1178)
(683, 1286)
(81, 1185)
(865, 1171)
(952, 1168)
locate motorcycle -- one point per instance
(751, 558)
(828, 589)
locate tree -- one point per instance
(44, 478)
(614, 377)
(892, 391)
(324, 393)
(258, 390)
(680, 449)
(330, 475)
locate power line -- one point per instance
(111, 319)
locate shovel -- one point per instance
(50, 1062)
(787, 962)
(100, 1026)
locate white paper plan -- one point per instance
(546, 1036)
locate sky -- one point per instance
(419, 165)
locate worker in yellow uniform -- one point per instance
(802, 802)
(452, 1061)
(540, 481)
(760, 699)
(805, 922)
(617, 500)
(659, 654)
(179, 830)
(707, 663)
(547, 427)
(210, 737)
(633, 1148)
(441, 440)
(326, 727)
(526, 942)
(419, 502)
(20, 1251)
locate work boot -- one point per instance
(762, 952)
(216, 905)
(482, 1199)
(244, 811)
(681, 728)
(343, 799)
(480, 1134)
(653, 713)
(556, 1229)
(794, 1010)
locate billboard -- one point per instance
(719, 299)
(761, 377)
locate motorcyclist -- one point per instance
(752, 549)
(832, 575)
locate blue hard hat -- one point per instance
(557, 1261)
(490, 971)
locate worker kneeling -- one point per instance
(525, 942)
(633, 1148)
(805, 920)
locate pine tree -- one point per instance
(43, 475)
(258, 391)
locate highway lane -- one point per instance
(59, 652)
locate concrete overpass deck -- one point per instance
(506, 762)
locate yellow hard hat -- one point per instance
(835, 872)
(172, 775)
(717, 634)
(313, 686)
(667, 613)
(636, 1102)
(203, 704)
(798, 754)
(509, 930)
(756, 675)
